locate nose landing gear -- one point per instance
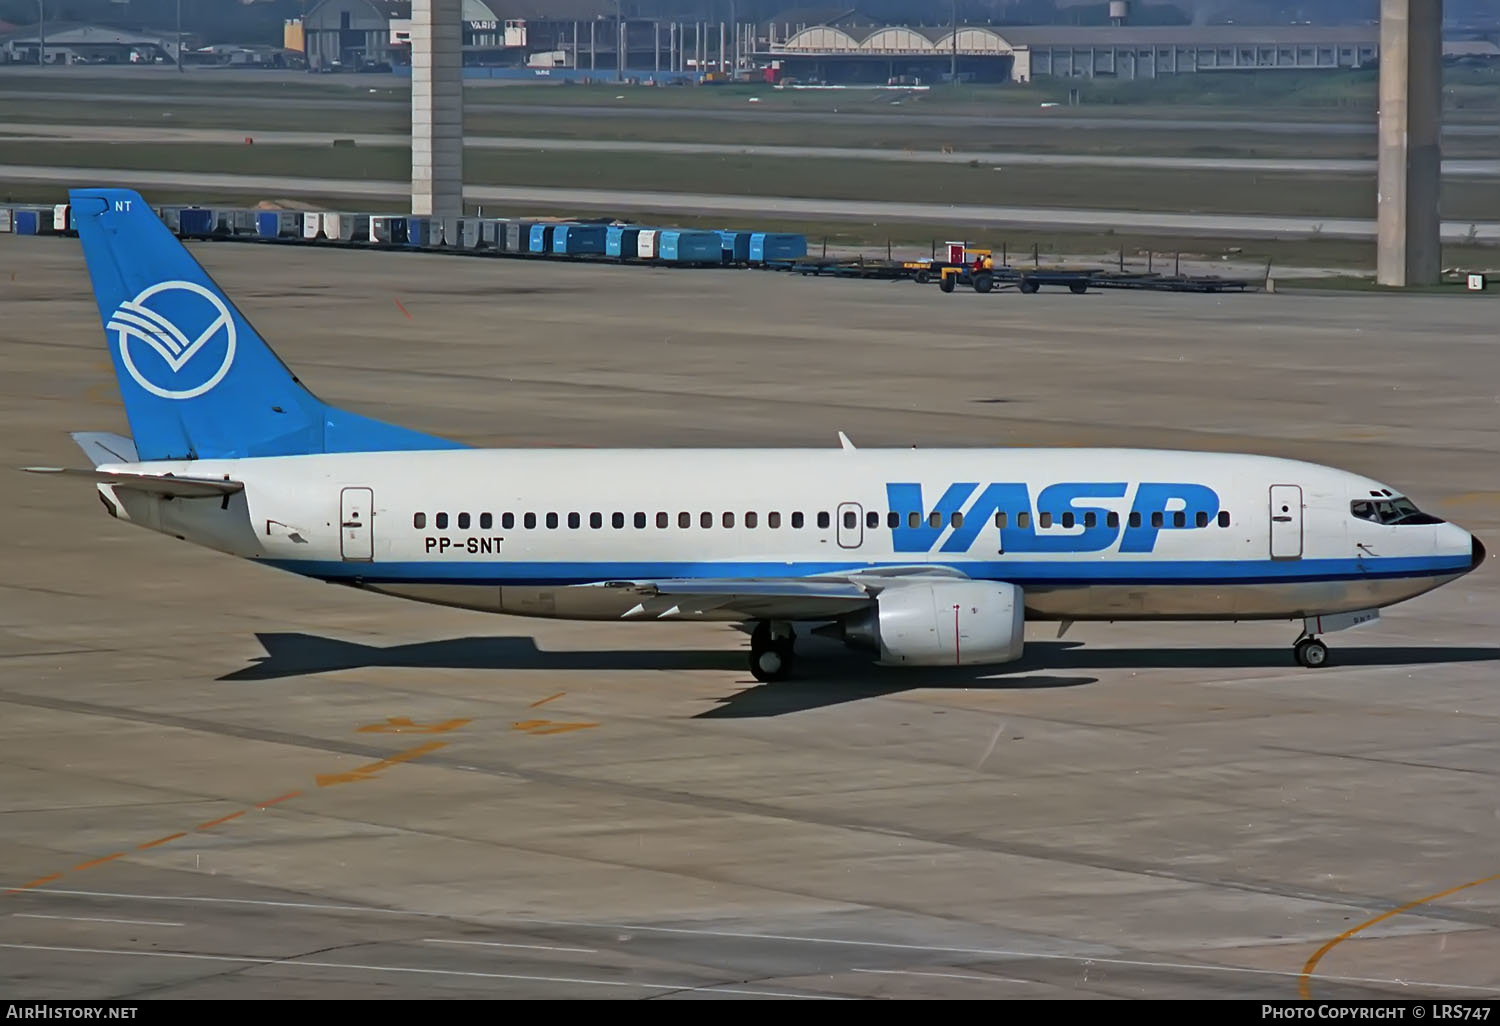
(772, 651)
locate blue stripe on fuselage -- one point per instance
(1022, 572)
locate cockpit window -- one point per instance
(1395, 510)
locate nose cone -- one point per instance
(1476, 553)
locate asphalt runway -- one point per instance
(221, 781)
(856, 104)
(620, 201)
(16, 132)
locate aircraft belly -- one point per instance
(1272, 601)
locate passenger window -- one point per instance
(1023, 519)
(551, 521)
(486, 521)
(1090, 519)
(913, 520)
(1044, 520)
(529, 520)
(1179, 519)
(419, 520)
(851, 520)
(662, 520)
(617, 520)
(1156, 519)
(750, 519)
(1201, 519)
(934, 519)
(1135, 518)
(441, 520)
(640, 520)
(684, 520)
(893, 520)
(1223, 518)
(728, 519)
(463, 521)
(596, 520)
(507, 520)
(1112, 520)
(823, 520)
(705, 520)
(1067, 519)
(872, 519)
(797, 521)
(1000, 519)
(574, 521)
(773, 520)
(956, 520)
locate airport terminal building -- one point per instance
(873, 54)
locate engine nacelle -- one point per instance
(950, 623)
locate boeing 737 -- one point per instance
(920, 557)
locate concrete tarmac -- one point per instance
(221, 781)
(19, 131)
(621, 201)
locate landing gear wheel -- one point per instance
(1311, 653)
(774, 663)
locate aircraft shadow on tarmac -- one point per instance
(829, 674)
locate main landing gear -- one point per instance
(772, 651)
(1310, 652)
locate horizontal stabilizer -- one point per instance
(157, 484)
(103, 447)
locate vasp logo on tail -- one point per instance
(176, 339)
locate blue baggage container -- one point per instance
(195, 223)
(541, 238)
(575, 239)
(689, 247)
(278, 224)
(26, 222)
(772, 246)
(419, 231)
(622, 241)
(736, 246)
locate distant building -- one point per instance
(872, 54)
(78, 43)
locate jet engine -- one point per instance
(946, 623)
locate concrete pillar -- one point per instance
(437, 108)
(1409, 229)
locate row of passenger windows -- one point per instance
(850, 520)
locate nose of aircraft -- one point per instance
(1476, 553)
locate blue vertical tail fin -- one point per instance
(198, 382)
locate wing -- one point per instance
(767, 598)
(157, 484)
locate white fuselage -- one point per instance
(529, 531)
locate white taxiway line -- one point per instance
(497, 944)
(793, 938)
(946, 976)
(247, 960)
(90, 919)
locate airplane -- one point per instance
(918, 557)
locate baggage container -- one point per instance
(353, 228)
(242, 222)
(736, 246)
(690, 247)
(578, 239)
(312, 225)
(517, 236)
(622, 241)
(63, 222)
(484, 233)
(419, 232)
(7, 219)
(771, 246)
(645, 246)
(278, 224)
(541, 237)
(195, 223)
(388, 230)
(26, 222)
